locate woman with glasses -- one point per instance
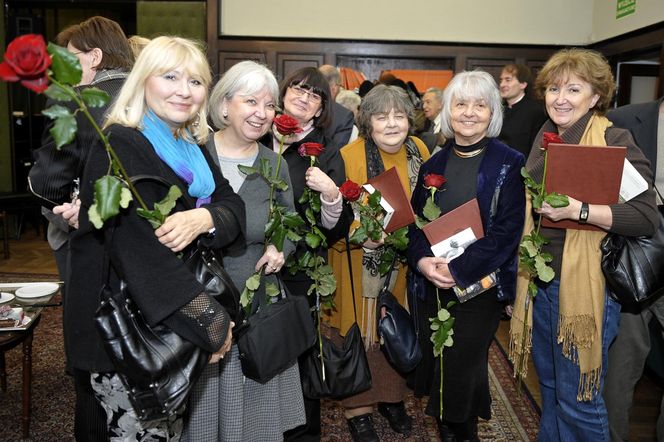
(305, 96)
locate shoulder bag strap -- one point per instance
(350, 271)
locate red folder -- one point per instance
(464, 216)
(389, 185)
(591, 174)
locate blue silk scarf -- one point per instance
(184, 158)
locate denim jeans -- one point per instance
(563, 417)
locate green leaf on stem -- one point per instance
(312, 240)
(420, 222)
(398, 239)
(157, 216)
(537, 201)
(64, 129)
(106, 203)
(94, 97)
(555, 199)
(125, 197)
(247, 170)
(65, 66)
(359, 236)
(431, 211)
(60, 93)
(271, 290)
(293, 220)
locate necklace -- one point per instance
(470, 154)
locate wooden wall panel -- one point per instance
(292, 61)
(228, 59)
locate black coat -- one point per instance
(157, 279)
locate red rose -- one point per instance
(27, 61)
(434, 180)
(350, 190)
(287, 125)
(311, 149)
(550, 137)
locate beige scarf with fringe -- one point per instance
(581, 295)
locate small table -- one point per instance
(9, 340)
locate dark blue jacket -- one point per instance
(501, 199)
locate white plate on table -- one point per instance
(37, 290)
(6, 298)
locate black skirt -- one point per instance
(465, 365)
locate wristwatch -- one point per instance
(583, 214)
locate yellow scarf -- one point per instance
(581, 295)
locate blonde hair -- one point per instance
(162, 55)
(137, 43)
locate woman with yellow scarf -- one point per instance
(573, 320)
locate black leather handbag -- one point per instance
(275, 335)
(346, 367)
(157, 367)
(634, 266)
(396, 330)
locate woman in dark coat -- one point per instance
(476, 165)
(154, 129)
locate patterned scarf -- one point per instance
(184, 158)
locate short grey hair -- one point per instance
(472, 85)
(247, 78)
(436, 91)
(381, 99)
(348, 99)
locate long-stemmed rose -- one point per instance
(282, 224)
(28, 60)
(441, 324)
(531, 257)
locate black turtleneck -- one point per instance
(461, 175)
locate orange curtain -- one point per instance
(423, 79)
(351, 79)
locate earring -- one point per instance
(225, 114)
(197, 120)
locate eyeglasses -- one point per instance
(301, 90)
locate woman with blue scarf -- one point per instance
(155, 127)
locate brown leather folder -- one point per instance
(389, 185)
(453, 222)
(591, 174)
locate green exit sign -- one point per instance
(625, 8)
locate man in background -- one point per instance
(628, 353)
(341, 125)
(523, 116)
(432, 104)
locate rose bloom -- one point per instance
(26, 60)
(434, 180)
(287, 125)
(311, 149)
(350, 190)
(550, 137)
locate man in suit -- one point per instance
(432, 104)
(341, 125)
(628, 353)
(523, 116)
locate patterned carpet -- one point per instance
(515, 418)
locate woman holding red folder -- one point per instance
(478, 166)
(573, 318)
(385, 119)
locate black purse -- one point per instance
(275, 335)
(634, 266)
(396, 329)
(346, 368)
(157, 367)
